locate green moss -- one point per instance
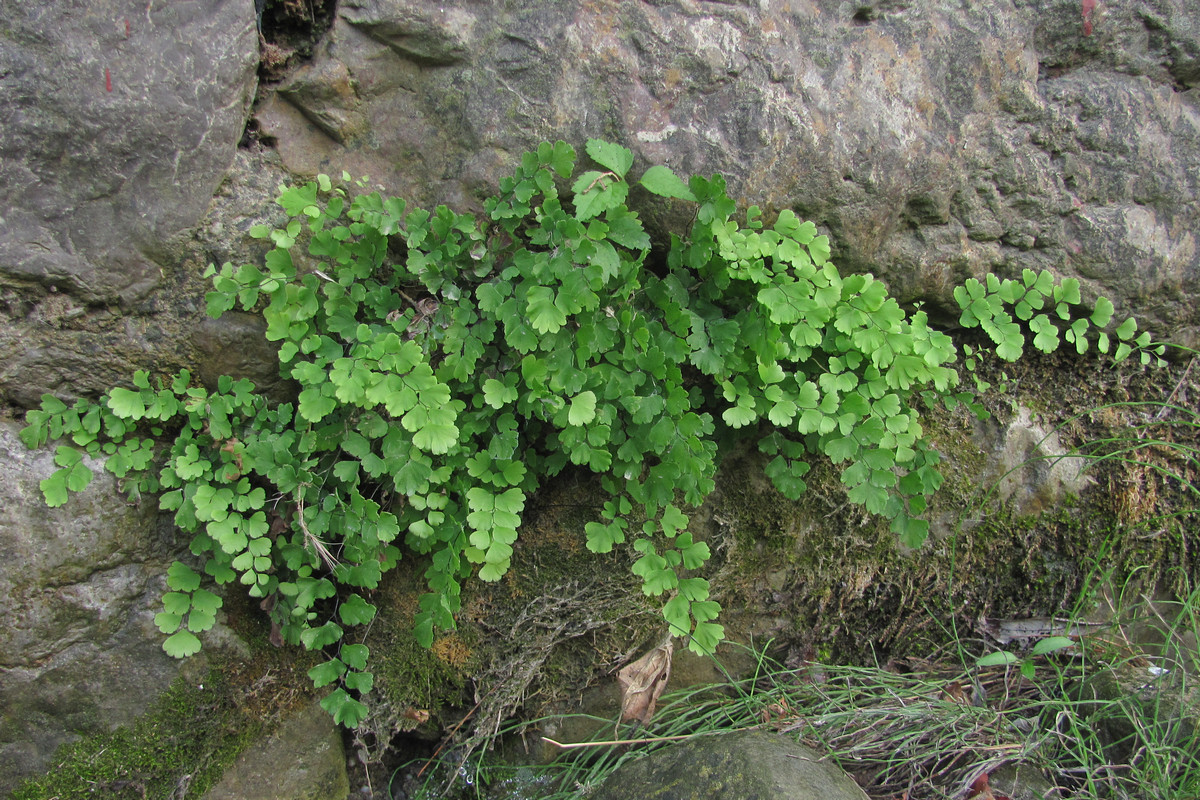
(218, 706)
(823, 578)
(188, 737)
(408, 676)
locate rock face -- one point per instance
(1034, 472)
(753, 765)
(933, 140)
(79, 587)
(302, 760)
(118, 120)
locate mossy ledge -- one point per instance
(218, 706)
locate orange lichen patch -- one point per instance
(452, 650)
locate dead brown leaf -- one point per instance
(954, 693)
(981, 790)
(417, 715)
(643, 681)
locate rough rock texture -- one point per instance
(118, 120)
(932, 139)
(1031, 468)
(753, 765)
(1021, 783)
(302, 760)
(79, 587)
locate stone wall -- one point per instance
(79, 587)
(931, 139)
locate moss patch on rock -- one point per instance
(826, 581)
(186, 740)
(221, 704)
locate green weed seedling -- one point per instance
(449, 363)
(1027, 665)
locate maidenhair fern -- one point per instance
(447, 364)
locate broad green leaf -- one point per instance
(601, 538)
(819, 250)
(562, 159)
(661, 181)
(1103, 312)
(841, 448)
(315, 405)
(182, 578)
(436, 436)
(544, 314)
(705, 638)
(423, 629)
(676, 613)
(359, 681)
(1010, 348)
(740, 415)
(911, 531)
(1051, 644)
(228, 533)
(583, 408)
(607, 261)
(54, 489)
(596, 193)
(497, 394)
(695, 554)
(611, 156)
(316, 638)
(997, 658)
(787, 302)
(295, 199)
(355, 655)
(126, 404)
(493, 571)
(200, 621)
(513, 473)
(1068, 292)
(205, 601)
(346, 471)
(1077, 334)
(346, 711)
(490, 296)
(626, 229)
(657, 576)
(356, 611)
(182, 644)
(326, 673)
(673, 520)
(176, 603)
(1046, 339)
(217, 303)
